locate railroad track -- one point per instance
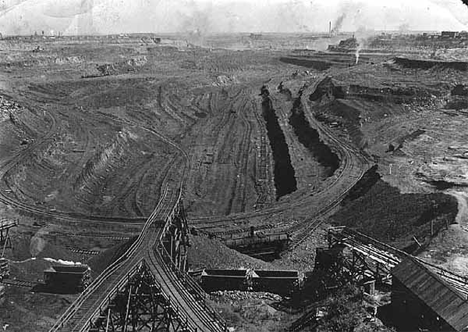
(85, 309)
(349, 173)
(392, 256)
(84, 251)
(219, 222)
(89, 301)
(261, 170)
(238, 195)
(69, 217)
(19, 283)
(97, 235)
(147, 248)
(302, 232)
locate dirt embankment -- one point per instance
(285, 181)
(327, 89)
(329, 108)
(394, 95)
(20, 125)
(458, 99)
(102, 261)
(205, 253)
(377, 209)
(428, 64)
(310, 138)
(351, 106)
(308, 63)
(323, 61)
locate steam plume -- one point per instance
(356, 54)
(338, 23)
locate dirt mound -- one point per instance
(384, 213)
(458, 97)
(395, 94)
(349, 118)
(19, 125)
(120, 67)
(250, 311)
(324, 61)
(459, 90)
(320, 65)
(211, 253)
(365, 184)
(327, 88)
(310, 138)
(351, 107)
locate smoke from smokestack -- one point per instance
(362, 39)
(338, 23)
(356, 54)
(226, 16)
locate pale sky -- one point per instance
(219, 16)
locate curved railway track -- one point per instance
(60, 215)
(352, 168)
(186, 296)
(261, 164)
(147, 248)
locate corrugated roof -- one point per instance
(447, 302)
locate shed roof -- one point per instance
(445, 301)
(69, 269)
(276, 274)
(224, 273)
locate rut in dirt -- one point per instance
(284, 174)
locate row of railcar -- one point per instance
(279, 282)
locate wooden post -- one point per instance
(417, 242)
(108, 319)
(127, 309)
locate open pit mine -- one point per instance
(248, 183)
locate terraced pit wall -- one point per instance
(428, 64)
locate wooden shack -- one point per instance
(421, 299)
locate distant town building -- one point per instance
(255, 36)
(449, 34)
(463, 35)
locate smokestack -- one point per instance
(329, 28)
